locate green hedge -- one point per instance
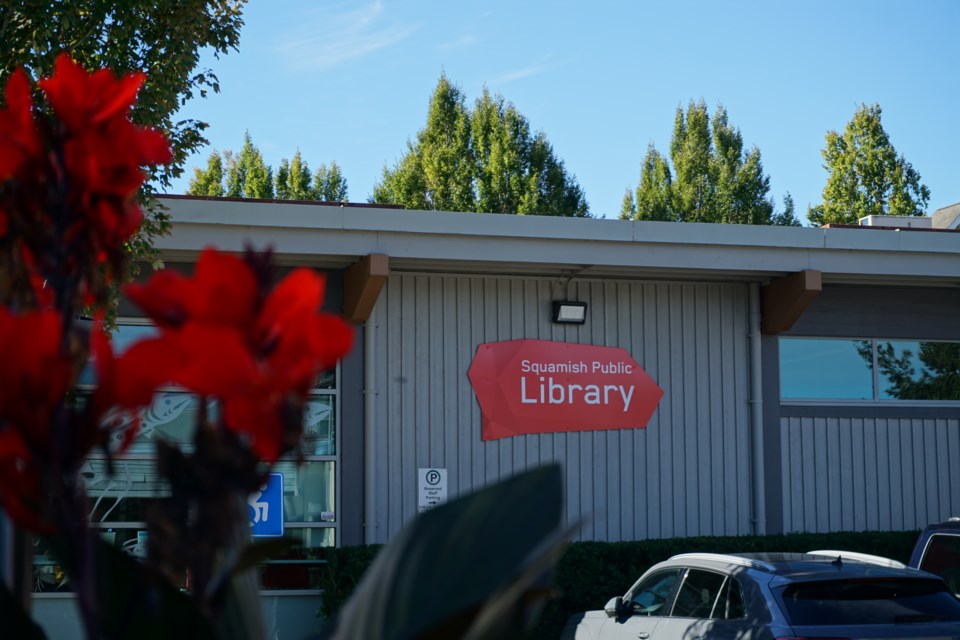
(590, 573)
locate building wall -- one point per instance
(859, 466)
(860, 474)
(687, 473)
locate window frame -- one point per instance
(876, 379)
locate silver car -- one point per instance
(771, 596)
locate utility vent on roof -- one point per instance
(901, 222)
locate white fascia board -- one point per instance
(329, 231)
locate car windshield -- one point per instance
(869, 601)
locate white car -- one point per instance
(775, 596)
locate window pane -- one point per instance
(319, 427)
(826, 369)
(873, 602)
(309, 491)
(172, 416)
(697, 594)
(942, 557)
(302, 566)
(122, 339)
(912, 370)
(650, 596)
(124, 496)
(326, 380)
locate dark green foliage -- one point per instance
(475, 567)
(209, 181)
(247, 176)
(329, 185)
(162, 38)
(938, 380)
(867, 177)
(590, 573)
(713, 178)
(485, 160)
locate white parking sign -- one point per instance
(433, 488)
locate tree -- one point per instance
(209, 181)
(160, 37)
(867, 177)
(299, 180)
(329, 185)
(485, 160)
(713, 179)
(247, 174)
(282, 180)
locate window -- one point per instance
(869, 601)
(698, 594)
(942, 557)
(650, 596)
(869, 370)
(118, 503)
(730, 603)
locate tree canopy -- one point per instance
(866, 175)
(485, 159)
(713, 179)
(162, 38)
(246, 175)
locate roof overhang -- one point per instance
(336, 236)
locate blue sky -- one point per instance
(350, 81)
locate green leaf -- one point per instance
(137, 602)
(445, 567)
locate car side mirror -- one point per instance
(614, 607)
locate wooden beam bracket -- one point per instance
(785, 299)
(362, 284)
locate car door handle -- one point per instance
(643, 635)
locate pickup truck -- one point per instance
(938, 551)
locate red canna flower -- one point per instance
(20, 492)
(19, 138)
(258, 352)
(36, 374)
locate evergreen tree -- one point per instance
(247, 175)
(209, 181)
(281, 180)
(480, 160)
(437, 172)
(713, 178)
(694, 188)
(867, 177)
(329, 185)
(654, 194)
(299, 181)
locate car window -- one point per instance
(651, 595)
(942, 557)
(730, 603)
(869, 601)
(698, 594)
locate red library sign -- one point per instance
(539, 386)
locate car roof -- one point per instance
(950, 526)
(792, 567)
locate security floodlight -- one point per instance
(569, 312)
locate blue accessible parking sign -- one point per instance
(265, 508)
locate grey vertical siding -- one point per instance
(686, 474)
(855, 474)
